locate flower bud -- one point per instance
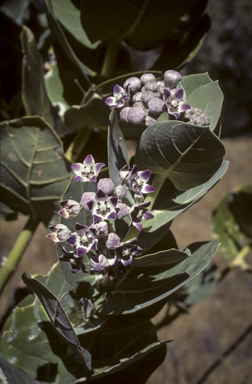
(146, 77)
(70, 208)
(124, 114)
(172, 78)
(137, 97)
(106, 185)
(156, 106)
(136, 115)
(133, 83)
(149, 120)
(138, 104)
(151, 86)
(147, 96)
(60, 233)
(121, 191)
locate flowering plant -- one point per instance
(119, 262)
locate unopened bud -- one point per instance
(136, 115)
(124, 113)
(172, 78)
(147, 96)
(146, 77)
(133, 83)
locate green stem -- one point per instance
(131, 234)
(157, 183)
(239, 259)
(17, 251)
(110, 59)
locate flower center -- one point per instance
(126, 252)
(103, 209)
(88, 171)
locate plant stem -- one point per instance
(131, 234)
(239, 261)
(110, 58)
(17, 251)
(157, 183)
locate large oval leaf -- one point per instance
(144, 24)
(187, 154)
(148, 285)
(69, 16)
(34, 94)
(169, 206)
(34, 171)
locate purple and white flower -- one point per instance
(70, 208)
(60, 233)
(84, 240)
(99, 263)
(137, 181)
(138, 213)
(120, 97)
(127, 250)
(76, 262)
(174, 103)
(103, 207)
(100, 229)
(88, 171)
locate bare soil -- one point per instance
(213, 343)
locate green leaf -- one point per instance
(124, 364)
(61, 38)
(172, 203)
(187, 154)
(58, 317)
(147, 240)
(69, 16)
(192, 82)
(54, 88)
(226, 226)
(34, 94)
(209, 99)
(198, 289)
(9, 373)
(15, 9)
(24, 343)
(86, 115)
(150, 284)
(34, 171)
(238, 204)
(141, 24)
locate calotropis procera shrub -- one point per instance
(118, 260)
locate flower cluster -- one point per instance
(107, 253)
(195, 116)
(143, 100)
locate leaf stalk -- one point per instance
(17, 251)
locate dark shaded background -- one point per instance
(227, 55)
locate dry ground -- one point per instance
(218, 332)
